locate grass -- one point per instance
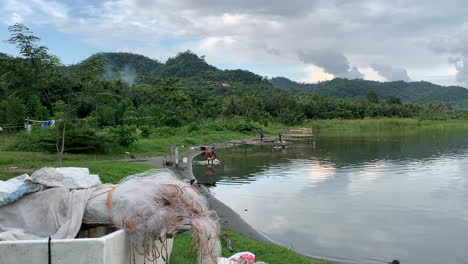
(373, 126)
(160, 143)
(270, 253)
(13, 163)
(110, 171)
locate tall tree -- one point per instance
(372, 97)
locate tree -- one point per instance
(79, 83)
(393, 100)
(372, 97)
(38, 73)
(15, 111)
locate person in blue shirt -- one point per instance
(262, 134)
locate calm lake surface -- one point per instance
(354, 199)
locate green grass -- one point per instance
(373, 126)
(272, 254)
(13, 163)
(110, 171)
(16, 163)
(160, 144)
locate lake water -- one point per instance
(354, 199)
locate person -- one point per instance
(209, 156)
(280, 137)
(213, 151)
(262, 134)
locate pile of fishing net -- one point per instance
(152, 207)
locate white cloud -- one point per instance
(316, 74)
(366, 31)
(212, 42)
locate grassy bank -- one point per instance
(377, 126)
(272, 254)
(14, 163)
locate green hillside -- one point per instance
(418, 92)
(195, 73)
(187, 66)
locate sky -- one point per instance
(304, 40)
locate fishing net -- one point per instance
(153, 206)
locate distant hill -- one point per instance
(197, 74)
(188, 66)
(419, 92)
(3, 55)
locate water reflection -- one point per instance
(360, 199)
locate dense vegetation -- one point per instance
(121, 98)
(418, 92)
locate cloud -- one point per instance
(391, 73)
(390, 32)
(316, 74)
(331, 62)
(273, 51)
(291, 8)
(455, 46)
(40, 11)
(461, 65)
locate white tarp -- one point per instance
(55, 212)
(69, 177)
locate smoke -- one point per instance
(127, 74)
(391, 73)
(331, 62)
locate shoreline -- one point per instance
(228, 218)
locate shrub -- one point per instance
(165, 131)
(126, 134)
(38, 140)
(193, 127)
(77, 140)
(146, 131)
(240, 124)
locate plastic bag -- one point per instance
(16, 188)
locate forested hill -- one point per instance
(195, 73)
(419, 92)
(188, 66)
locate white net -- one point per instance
(154, 205)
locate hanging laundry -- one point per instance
(47, 123)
